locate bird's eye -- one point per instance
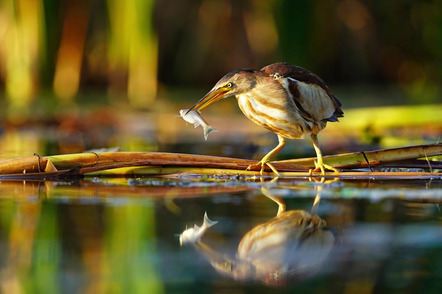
(229, 85)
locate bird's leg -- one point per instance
(277, 200)
(266, 159)
(319, 164)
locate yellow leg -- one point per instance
(277, 200)
(317, 199)
(319, 164)
(266, 159)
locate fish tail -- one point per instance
(207, 222)
(208, 130)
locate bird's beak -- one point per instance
(210, 98)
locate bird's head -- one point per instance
(234, 83)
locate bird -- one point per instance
(286, 99)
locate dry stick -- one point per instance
(164, 170)
(64, 162)
(130, 170)
(414, 163)
(72, 165)
(23, 165)
(357, 159)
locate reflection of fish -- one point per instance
(194, 117)
(193, 235)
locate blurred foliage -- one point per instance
(128, 48)
(47, 243)
(130, 248)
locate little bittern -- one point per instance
(286, 99)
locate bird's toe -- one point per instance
(262, 164)
(322, 167)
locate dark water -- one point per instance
(122, 236)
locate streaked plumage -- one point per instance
(286, 99)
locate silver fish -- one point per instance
(193, 235)
(194, 117)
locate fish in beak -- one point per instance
(214, 95)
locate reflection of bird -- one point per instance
(286, 99)
(291, 246)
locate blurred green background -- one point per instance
(112, 57)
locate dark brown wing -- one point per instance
(319, 103)
(338, 111)
(288, 70)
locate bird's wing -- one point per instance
(310, 94)
(312, 99)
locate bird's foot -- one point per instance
(262, 163)
(321, 167)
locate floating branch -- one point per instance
(160, 163)
(108, 160)
(373, 158)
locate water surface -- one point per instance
(101, 235)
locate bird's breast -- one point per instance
(273, 109)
